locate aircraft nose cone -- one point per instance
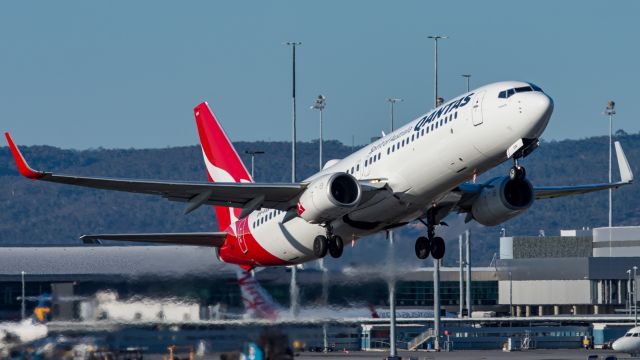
(537, 109)
(618, 345)
(540, 104)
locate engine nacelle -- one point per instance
(502, 200)
(329, 197)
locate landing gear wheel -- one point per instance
(423, 246)
(336, 246)
(517, 173)
(437, 248)
(320, 246)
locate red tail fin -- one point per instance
(222, 160)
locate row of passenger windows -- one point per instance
(507, 93)
(404, 142)
(266, 217)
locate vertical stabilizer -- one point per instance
(221, 159)
(257, 301)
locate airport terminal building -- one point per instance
(580, 272)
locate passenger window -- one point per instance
(431, 127)
(365, 162)
(412, 137)
(440, 122)
(427, 130)
(455, 115)
(379, 156)
(446, 119)
(358, 167)
(422, 131)
(436, 125)
(388, 151)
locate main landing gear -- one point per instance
(517, 171)
(431, 244)
(330, 243)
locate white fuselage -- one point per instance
(420, 162)
(629, 343)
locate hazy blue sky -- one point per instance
(85, 74)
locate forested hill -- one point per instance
(33, 212)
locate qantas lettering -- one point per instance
(442, 110)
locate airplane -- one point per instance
(421, 172)
(13, 334)
(629, 343)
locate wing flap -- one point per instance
(209, 239)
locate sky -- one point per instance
(127, 74)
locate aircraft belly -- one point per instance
(292, 241)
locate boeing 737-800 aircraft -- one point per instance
(418, 172)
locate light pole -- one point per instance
(253, 154)
(293, 45)
(467, 76)
(436, 263)
(393, 101)
(629, 292)
(461, 261)
(610, 111)
(635, 300)
(23, 309)
(293, 291)
(435, 76)
(319, 104)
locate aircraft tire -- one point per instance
(336, 246)
(320, 246)
(437, 248)
(423, 246)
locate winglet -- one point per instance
(626, 176)
(23, 167)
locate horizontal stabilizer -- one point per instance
(210, 239)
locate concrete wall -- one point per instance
(534, 247)
(623, 241)
(548, 292)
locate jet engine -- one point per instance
(329, 197)
(502, 199)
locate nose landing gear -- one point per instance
(517, 171)
(431, 244)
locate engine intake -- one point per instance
(502, 199)
(329, 197)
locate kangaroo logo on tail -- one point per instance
(221, 159)
(255, 298)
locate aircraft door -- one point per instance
(476, 109)
(243, 230)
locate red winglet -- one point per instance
(23, 167)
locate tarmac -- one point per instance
(576, 354)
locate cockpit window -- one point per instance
(523, 89)
(635, 334)
(505, 94)
(535, 87)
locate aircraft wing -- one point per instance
(249, 196)
(210, 239)
(626, 177)
(469, 191)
